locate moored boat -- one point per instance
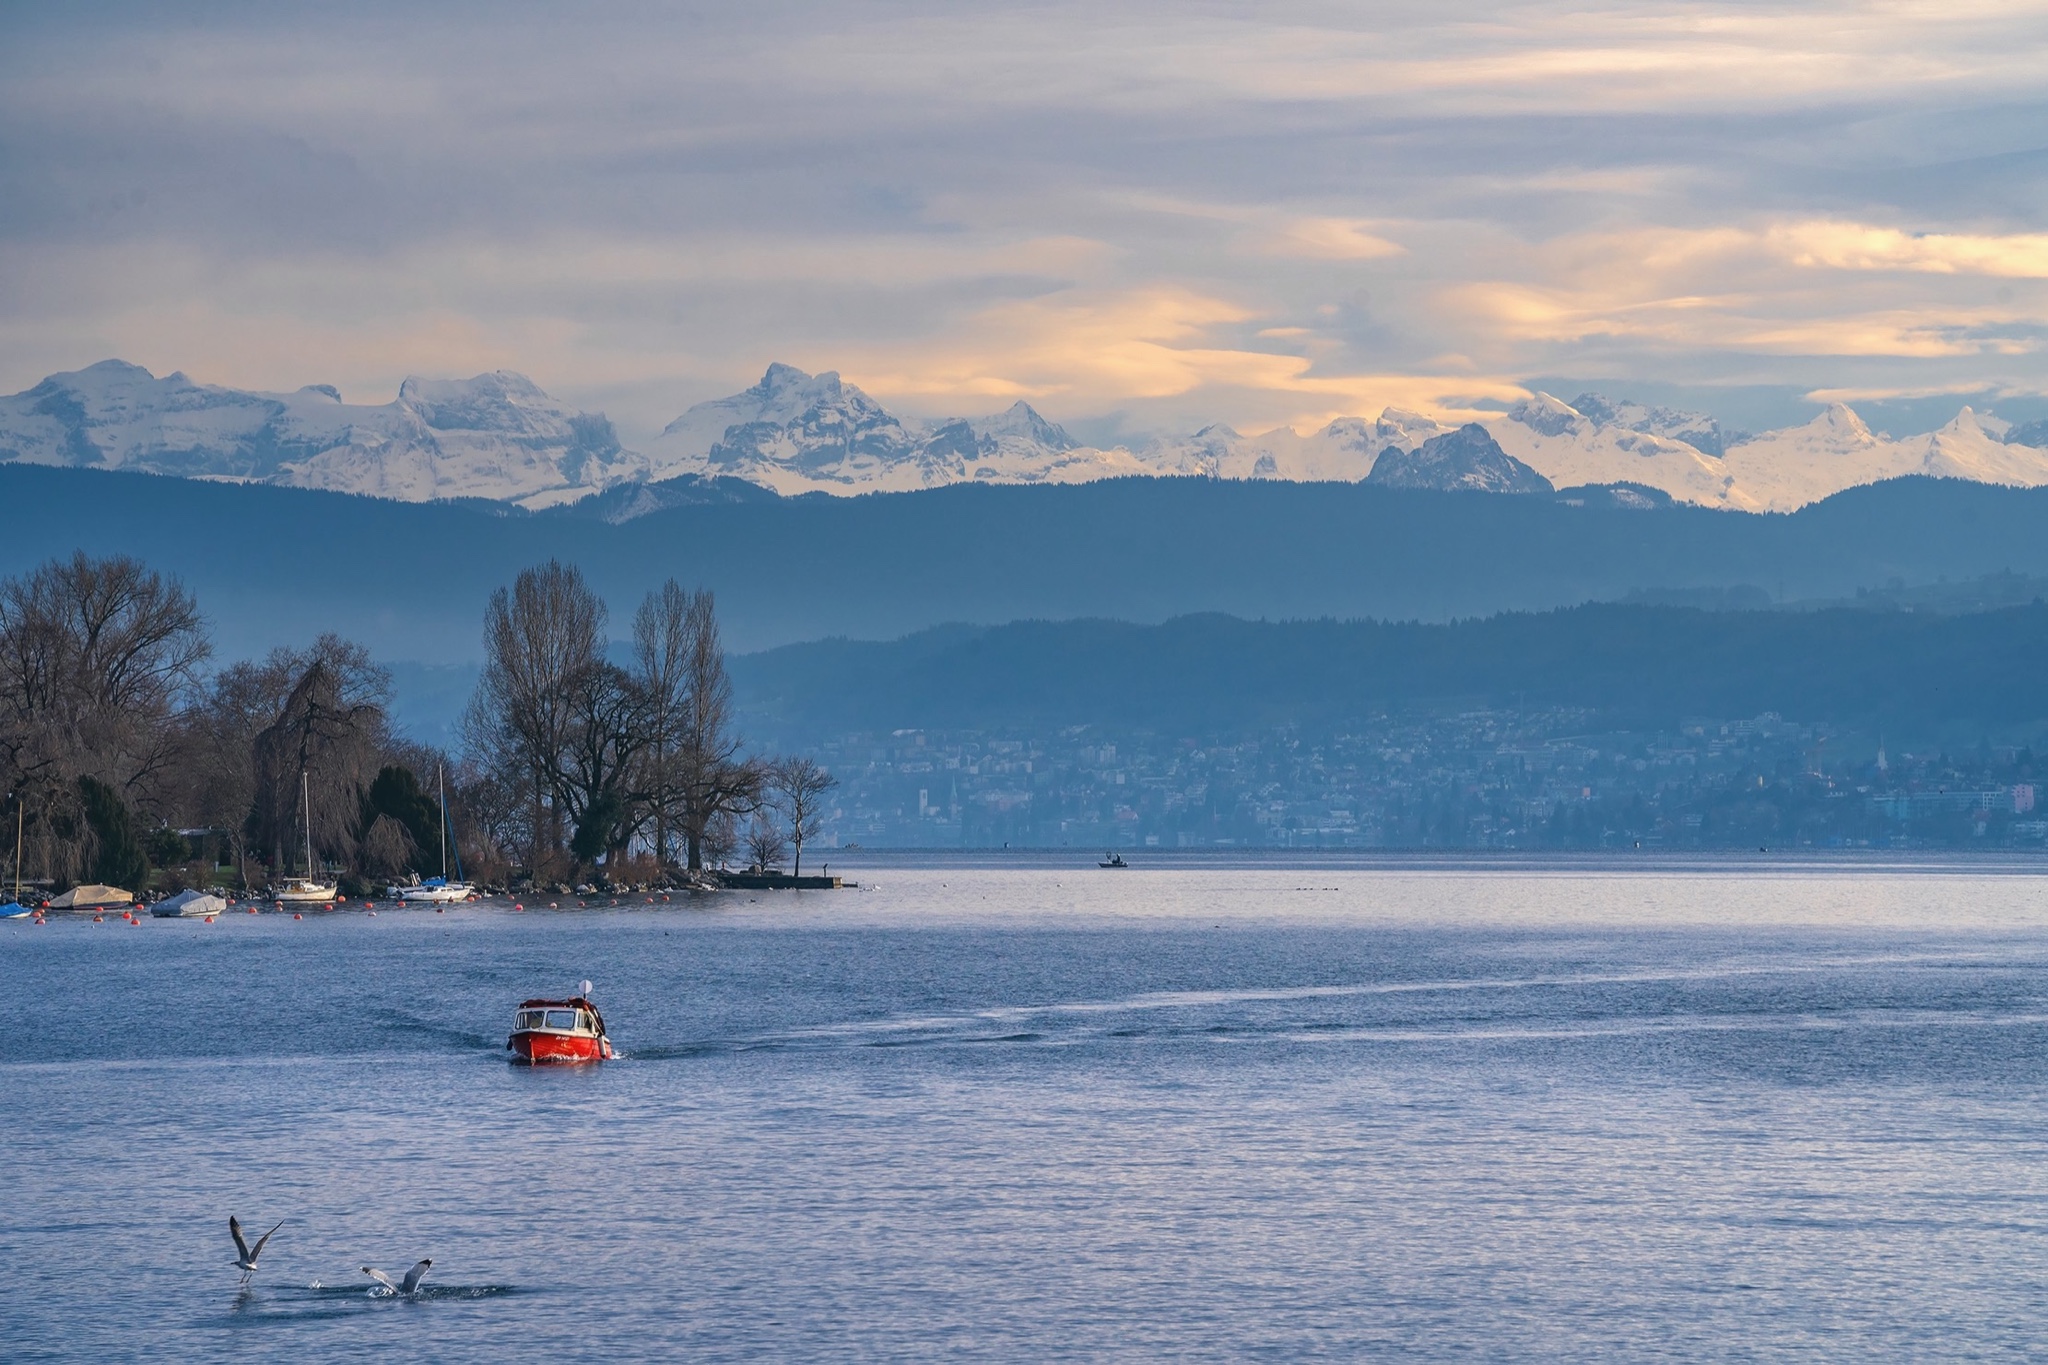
(189, 905)
(437, 890)
(432, 891)
(559, 1031)
(93, 896)
(309, 889)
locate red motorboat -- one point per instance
(559, 1031)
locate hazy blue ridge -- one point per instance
(410, 580)
(1907, 673)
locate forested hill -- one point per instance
(277, 565)
(1910, 675)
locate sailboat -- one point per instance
(309, 889)
(437, 890)
(17, 910)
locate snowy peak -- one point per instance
(1398, 427)
(1589, 415)
(1841, 427)
(495, 436)
(794, 432)
(499, 401)
(1547, 416)
(809, 424)
(1465, 460)
(1021, 422)
(1696, 429)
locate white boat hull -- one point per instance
(433, 895)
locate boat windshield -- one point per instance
(561, 1018)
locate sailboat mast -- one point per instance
(20, 814)
(306, 808)
(441, 785)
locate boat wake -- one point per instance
(1559, 1007)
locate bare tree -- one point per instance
(542, 641)
(488, 810)
(95, 657)
(798, 786)
(332, 728)
(661, 654)
(713, 778)
(595, 784)
(721, 839)
(765, 844)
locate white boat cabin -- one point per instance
(556, 1019)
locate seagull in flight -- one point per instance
(245, 1255)
(409, 1285)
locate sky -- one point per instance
(1134, 216)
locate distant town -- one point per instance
(1548, 779)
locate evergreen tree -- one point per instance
(396, 792)
(118, 859)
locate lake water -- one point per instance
(1536, 1112)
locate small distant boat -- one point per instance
(306, 890)
(567, 1031)
(437, 890)
(1112, 860)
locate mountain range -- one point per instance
(499, 437)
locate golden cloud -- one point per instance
(1860, 246)
(1331, 239)
(1090, 349)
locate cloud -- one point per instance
(1332, 239)
(1236, 212)
(1861, 246)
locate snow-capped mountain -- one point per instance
(1776, 471)
(1465, 460)
(796, 432)
(496, 436)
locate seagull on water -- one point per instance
(245, 1255)
(409, 1285)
